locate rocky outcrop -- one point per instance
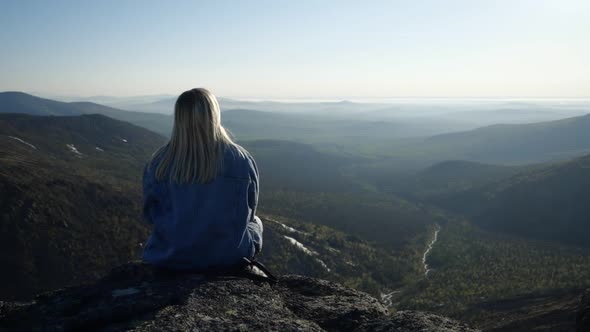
(136, 297)
(583, 317)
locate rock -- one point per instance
(137, 297)
(583, 317)
(410, 321)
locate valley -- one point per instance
(295, 166)
(429, 216)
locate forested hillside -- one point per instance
(351, 211)
(548, 202)
(448, 177)
(516, 143)
(71, 208)
(500, 281)
(69, 199)
(18, 102)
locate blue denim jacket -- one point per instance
(202, 226)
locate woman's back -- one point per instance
(202, 225)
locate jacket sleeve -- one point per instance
(149, 196)
(256, 229)
(253, 187)
(254, 224)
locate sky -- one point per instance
(297, 49)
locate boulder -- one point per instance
(137, 297)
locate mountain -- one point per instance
(246, 124)
(337, 129)
(162, 106)
(18, 102)
(127, 103)
(166, 106)
(68, 198)
(93, 142)
(450, 176)
(517, 143)
(89, 131)
(548, 202)
(70, 205)
(510, 115)
(484, 111)
(139, 298)
(286, 165)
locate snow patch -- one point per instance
(73, 148)
(306, 250)
(23, 141)
(300, 246)
(124, 140)
(286, 227)
(289, 229)
(323, 264)
(333, 249)
(99, 149)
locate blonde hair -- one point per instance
(198, 142)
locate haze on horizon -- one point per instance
(303, 49)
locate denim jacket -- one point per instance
(203, 226)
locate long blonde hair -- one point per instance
(198, 141)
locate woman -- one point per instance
(200, 192)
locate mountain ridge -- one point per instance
(20, 102)
(517, 143)
(546, 202)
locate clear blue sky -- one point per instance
(286, 49)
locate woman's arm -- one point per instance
(254, 224)
(256, 229)
(253, 187)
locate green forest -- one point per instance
(359, 212)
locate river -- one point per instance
(429, 249)
(386, 298)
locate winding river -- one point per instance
(429, 249)
(386, 298)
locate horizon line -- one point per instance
(309, 99)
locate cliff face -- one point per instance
(135, 297)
